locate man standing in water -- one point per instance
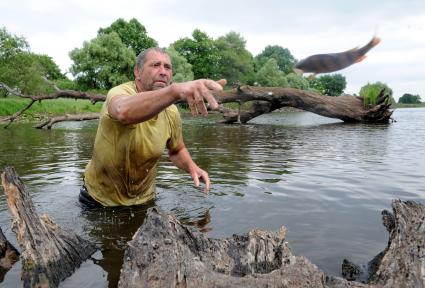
(137, 121)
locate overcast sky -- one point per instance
(56, 27)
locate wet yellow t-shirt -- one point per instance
(123, 166)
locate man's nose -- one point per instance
(163, 71)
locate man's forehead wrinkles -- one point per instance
(158, 61)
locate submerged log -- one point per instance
(48, 253)
(8, 255)
(166, 253)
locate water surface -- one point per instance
(326, 181)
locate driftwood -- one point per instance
(69, 117)
(265, 99)
(48, 253)
(165, 253)
(8, 255)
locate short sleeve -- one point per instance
(124, 89)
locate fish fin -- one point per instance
(352, 49)
(360, 59)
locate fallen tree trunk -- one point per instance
(48, 253)
(267, 99)
(8, 255)
(165, 253)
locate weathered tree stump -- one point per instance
(402, 263)
(165, 253)
(48, 253)
(8, 255)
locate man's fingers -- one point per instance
(210, 99)
(195, 179)
(191, 104)
(222, 82)
(213, 85)
(207, 183)
(200, 102)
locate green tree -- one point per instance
(332, 85)
(410, 99)
(23, 70)
(370, 92)
(270, 75)
(236, 64)
(50, 68)
(182, 70)
(11, 45)
(283, 57)
(132, 33)
(296, 81)
(202, 53)
(102, 62)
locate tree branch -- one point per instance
(75, 117)
(17, 114)
(71, 94)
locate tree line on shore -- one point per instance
(108, 60)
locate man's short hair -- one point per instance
(140, 59)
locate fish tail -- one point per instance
(375, 41)
(372, 43)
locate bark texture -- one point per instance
(165, 253)
(267, 99)
(402, 263)
(48, 253)
(8, 255)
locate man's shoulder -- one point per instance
(128, 88)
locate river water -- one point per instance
(325, 180)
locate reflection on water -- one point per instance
(324, 180)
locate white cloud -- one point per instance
(304, 27)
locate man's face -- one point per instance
(156, 74)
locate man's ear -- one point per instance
(136, 73)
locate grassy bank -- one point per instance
(10, 105)
(398, 105)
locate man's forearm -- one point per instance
(182, 159)
(142, 106)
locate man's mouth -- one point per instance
(160, 81)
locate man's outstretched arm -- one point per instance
(145, 105)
